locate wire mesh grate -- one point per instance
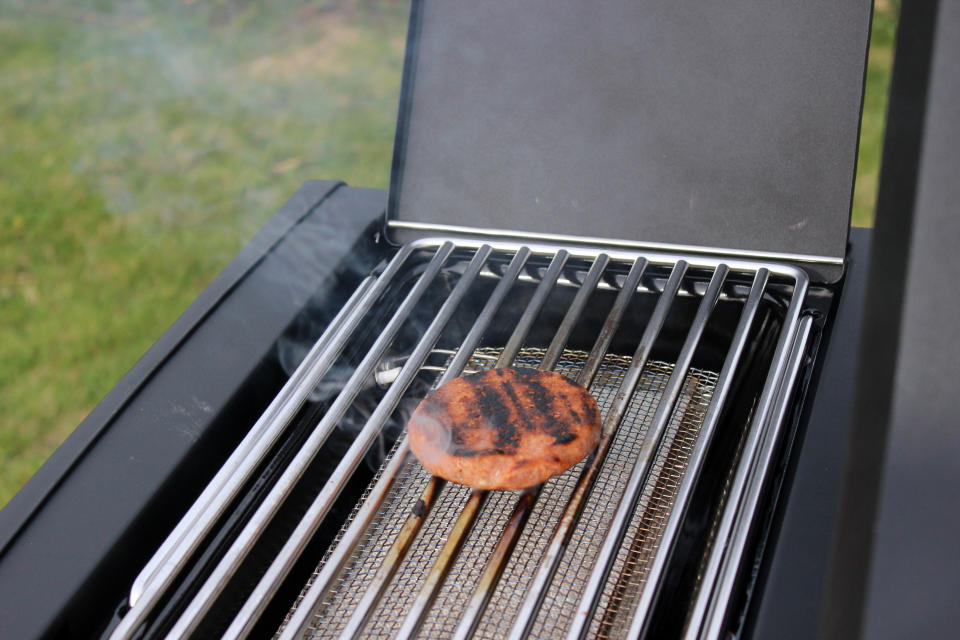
(561, 600)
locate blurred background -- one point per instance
(142, 142)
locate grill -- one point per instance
(587, 552)
(648, 200)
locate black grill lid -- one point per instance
(721, 123)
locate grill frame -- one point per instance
(113, 536)
(800, 280)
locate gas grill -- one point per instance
(678, 351)
(251, 475)
(464, 528)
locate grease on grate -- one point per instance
(630, 568)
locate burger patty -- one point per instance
(507, 428)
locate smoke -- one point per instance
(432, 441)
(301, 337)
(293, 347)
(203, 117)
(197, 120)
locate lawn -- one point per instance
(143, 142)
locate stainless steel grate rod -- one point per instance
(766, 402)
(528, 499)
(334, 564)
(641, 469)
(468, 516)
(282, 563)
(230, 562)
(180, 546)
(532, 310)
(613, 322)
(653, 581)
(747, 509)
(551, 560)
(170, 559)
(472, 340)
(398, 552)
(562, 335)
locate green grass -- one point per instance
(142, 142)
(879, 64)
(140, 147)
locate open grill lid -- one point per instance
(727, 124)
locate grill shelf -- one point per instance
(583, 555)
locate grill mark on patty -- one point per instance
(544, 400)
(507, 393)
(505, 423)
(593, 412)
(486, 401)
(575, 415)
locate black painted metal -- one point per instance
(895, 571)
(719, 124)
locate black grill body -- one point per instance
(131, 470)
(73, 539)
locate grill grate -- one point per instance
(592, 544)
(633, 563)
(458, 587)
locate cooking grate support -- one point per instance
(638, 476)
(465, 523)
(709, 611)
(186, 538)
(470, 514)
(525, 505)
(724, 381)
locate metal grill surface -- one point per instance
(632, 560)
(583, 555)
